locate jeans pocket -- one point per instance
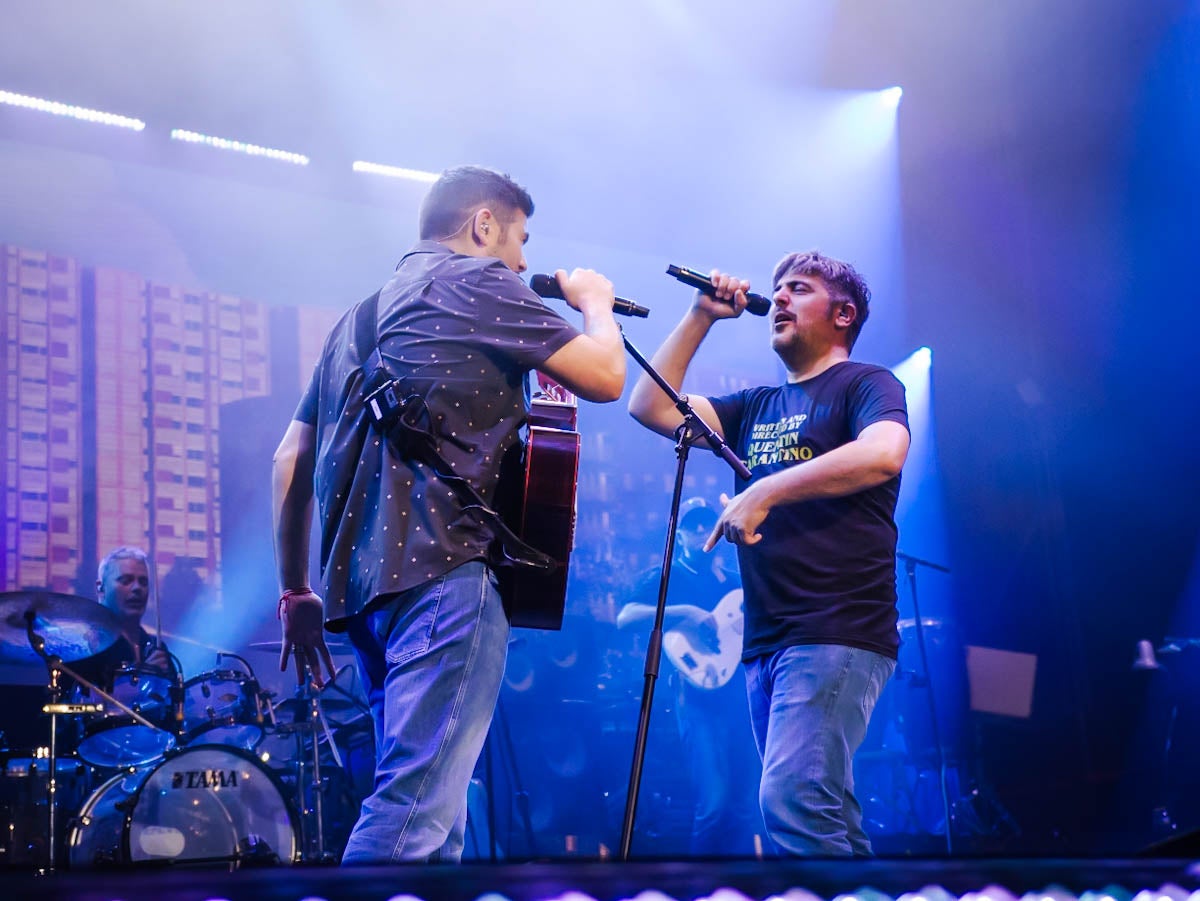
(410, 629)
(881, 671)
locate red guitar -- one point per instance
(546, 518)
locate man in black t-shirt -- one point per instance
(405, 560)
(815, 532)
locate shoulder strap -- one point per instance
(408, 440)
(366, 333)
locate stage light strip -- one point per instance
(394, 171)
(74, 112)
(283, 156)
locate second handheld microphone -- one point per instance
(755, 303)
(547, 286)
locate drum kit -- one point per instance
(170, 770)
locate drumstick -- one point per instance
(157, 606)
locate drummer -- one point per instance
(123, 586)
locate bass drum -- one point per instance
(206, 803)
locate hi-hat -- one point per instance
(73, 627)
(338, 708)
(340, 702)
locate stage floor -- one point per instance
(875, 880)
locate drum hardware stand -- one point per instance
(178, 696)
(55, 708)
(312, 818)
(910, 569)
(692, 431)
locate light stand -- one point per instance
(691, 431)
(501, 735)
(910, 568)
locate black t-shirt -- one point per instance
(462, 333)
(825, 570)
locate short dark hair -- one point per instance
(461, 191)
(844, 282)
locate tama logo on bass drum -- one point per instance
(204, 779)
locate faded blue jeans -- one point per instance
(432, 660)
(810, 705)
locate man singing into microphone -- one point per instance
(815, 534)
(407, 565)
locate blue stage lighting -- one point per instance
(74, 112)
(891, 96)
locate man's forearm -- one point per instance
(849, 469)
(292, 506)
(648, 404)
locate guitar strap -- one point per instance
(408, 430)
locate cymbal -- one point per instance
(336, 707)
(336, 645)
(927, 622)
(339, 701)
(73, 627)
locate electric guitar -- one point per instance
(545, 517)
(705, 667)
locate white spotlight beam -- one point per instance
(394, 171)
(82, 113)
(195, 137)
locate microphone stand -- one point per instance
(910, 569)
(691, 431)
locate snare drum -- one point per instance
(115, 739)
(206, 803)
(221, 707)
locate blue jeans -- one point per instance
(432, 659)
(810, 705)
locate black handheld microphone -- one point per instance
(547, 286)
(755, 303)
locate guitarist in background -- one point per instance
(407, 566)
(703, 639)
